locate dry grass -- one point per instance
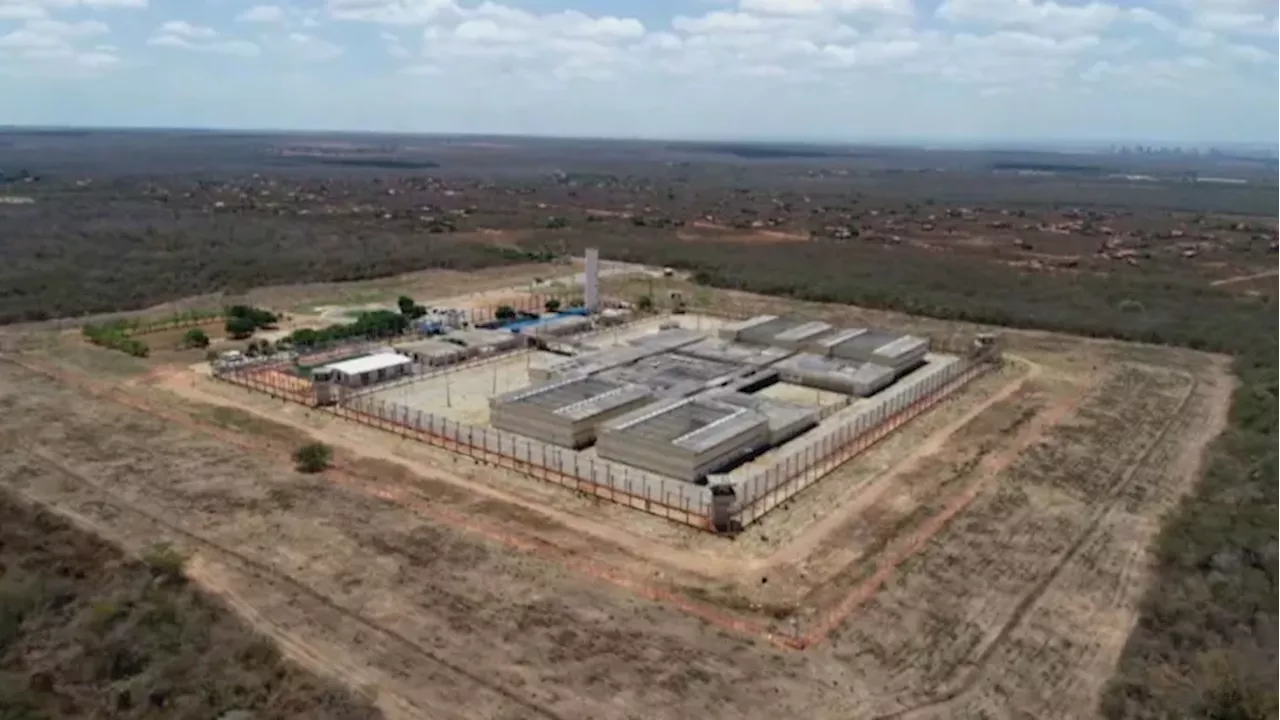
(986, 561)
(88, 632)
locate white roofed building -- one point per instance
(366, 370)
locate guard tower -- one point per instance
(986, 346)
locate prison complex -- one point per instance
(680, 404)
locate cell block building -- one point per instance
(735, 353)
(786, 420)
(666, 340)
(675, 376)
(801, 336)
(587, 363)
(686, 439)
(760, 330)
(901, 353)
(566, 412)
(859, 379)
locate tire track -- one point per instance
(343, 475)
(1025, 605)
(266, 572)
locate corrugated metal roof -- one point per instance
(731, 425)
(803, 332)
(369, 363)
(841, 336)
(605, 402)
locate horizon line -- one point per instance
(985, 143)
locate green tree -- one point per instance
(644, 303)
(505, 312)
(195, 338)
(240, 327)
(552, 305)
(312, 457)
(405, 303)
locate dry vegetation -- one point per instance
(88, 632)
(991, 561)
(1000, 538)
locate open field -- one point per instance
(162, 645)
(986, 560)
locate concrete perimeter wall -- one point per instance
(666, 497)
(846, 434)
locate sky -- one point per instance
(1158, 71)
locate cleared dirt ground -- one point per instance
(983, 562)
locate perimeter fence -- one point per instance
(422, 372)
(665, 497)
(847, 434)
(274, 377)
(849, 428)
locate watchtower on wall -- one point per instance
(986, 346)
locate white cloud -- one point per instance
(1048, 18)
(236, 48)
(182, 35)
(52, 33)
(715, 22)
(742, 53)
(97, 59)
(1250, 54)
(51, 47)
(185, 29)
(32, 9)
(21, 11)
(263, 14)
(827, 7)
(391, 12)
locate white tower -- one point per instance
(592, 284)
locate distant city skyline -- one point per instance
(1045, 144)
(1163, 72)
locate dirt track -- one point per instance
(985, 562)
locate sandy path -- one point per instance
(862, 496)
(1244, 278)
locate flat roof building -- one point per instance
(666, 340)
(801, 335)
(732, 352)
(366, 370)
(675, 376)
(432, 352)
(566, 412)
(480, 341)
(850, 377)
(733, 330)
(686, 439)
(586, 363)
(892, 350)
(786, 420)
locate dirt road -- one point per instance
(990, 558)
